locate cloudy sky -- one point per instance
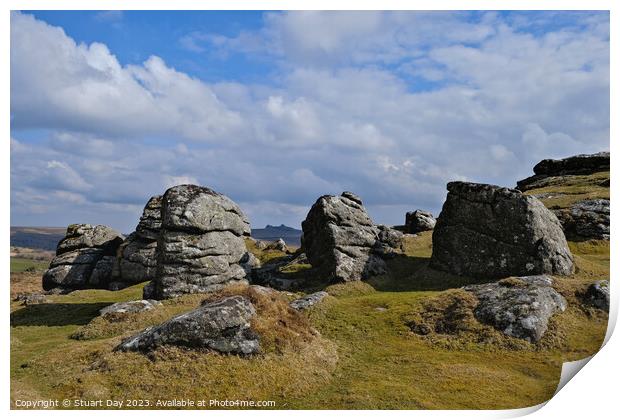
(276, 109)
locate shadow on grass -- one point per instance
(56, 314)
(413, 274)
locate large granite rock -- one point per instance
(201, 246)
(84, 258)
(419, 221)
(137, 260)
(574, 165)
(223, 326)
(519, 307)
(587, 219)
(486, 231)
(341, 241)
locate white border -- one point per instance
(591, 395)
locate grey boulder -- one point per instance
(341, 241)
(587, 219)
(487, 231)
(222, 326)
(419, 221)
(597, 295)
(519, 307)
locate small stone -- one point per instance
(131, 307)
(308, 300)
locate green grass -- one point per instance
(354, 350)
(570, 189)
(19, 265)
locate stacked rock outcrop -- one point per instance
(84, 258)
(487, 231)
(137, 260)
(201, 245)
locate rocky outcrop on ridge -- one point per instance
(486, 231)
(548, 170)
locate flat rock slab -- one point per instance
(519, 307)
(133, 306)
(222, 326)
(308, 301)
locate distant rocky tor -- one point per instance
(564, 182)
(486, 231)
(341, 241)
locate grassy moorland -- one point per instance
(353, 350)
(364, 355)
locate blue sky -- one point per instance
(277, 108)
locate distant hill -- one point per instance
(290, 235)
(48, 237)
(37, 237)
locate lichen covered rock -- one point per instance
(201, 245)
(519, 307)
(341, 241)
(84, 258)
(487, 231)
(222, 326)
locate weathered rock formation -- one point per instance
(547, 169)
(597, 295)
(340, 240)
(201, 246)
(486, 231)
(587, 219)
(84, 258)
(223, 326)
(137, 261)
(419, 221)
(519, 307)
